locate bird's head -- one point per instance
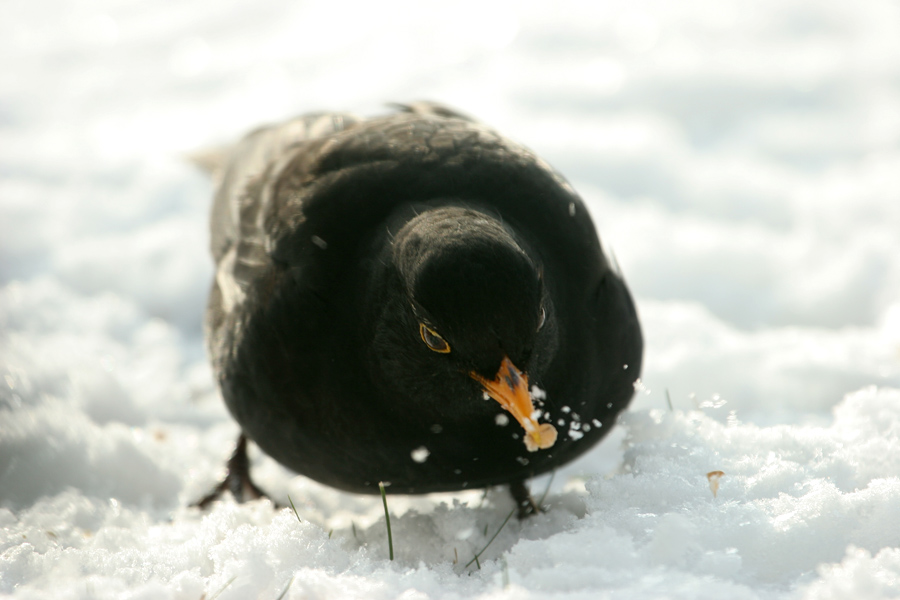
(471, 320)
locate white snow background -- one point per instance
(742, 160)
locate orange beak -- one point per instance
(510, 389)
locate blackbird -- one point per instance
(411, 299)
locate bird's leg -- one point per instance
(237, 480)
(522, 497)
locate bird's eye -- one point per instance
(543, 318)
(433, 340)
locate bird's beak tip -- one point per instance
(510, 388)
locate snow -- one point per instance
(741, 161)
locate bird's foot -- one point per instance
(237, 480)
(525, 504)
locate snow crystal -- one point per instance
(420, 454)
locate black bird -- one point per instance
(412, 299)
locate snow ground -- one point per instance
(742, 160)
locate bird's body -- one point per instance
(378, 281)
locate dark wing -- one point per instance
(252, 164)
(238, 239)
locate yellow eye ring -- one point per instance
(433, 340)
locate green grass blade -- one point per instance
(286, 588)
(224, 587)
(296, 514)
(479, 553)
(387, 518)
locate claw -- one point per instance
(524, 502)
(237, 480)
